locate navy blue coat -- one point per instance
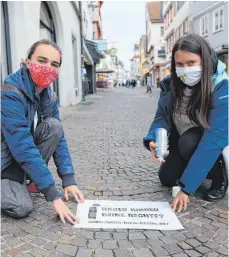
(214, 139)
(17, 115)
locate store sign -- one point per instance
(113, 51)
(127, 215)
(102, 45)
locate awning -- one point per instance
(105, 71)
(93, 50)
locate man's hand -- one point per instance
(153, 146)
(76, 193)
(180, 202)
(63, 211)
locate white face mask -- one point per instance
(189, 75)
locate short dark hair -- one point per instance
(201, 95)
(44, 42)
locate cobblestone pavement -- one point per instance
(105, 141)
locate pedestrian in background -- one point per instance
(32, 133)
(194, 111)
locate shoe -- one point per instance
(32, 188)
(217, 192)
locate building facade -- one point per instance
(176, 19)
(68, 23)
(57, 21)
(210, 20)
(135, 63)
(155, 42)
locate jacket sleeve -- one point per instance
(62, 157)
(160, 121)
(16, 131)
(214, 140)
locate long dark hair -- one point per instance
(201, 94)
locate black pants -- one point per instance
(181, 149)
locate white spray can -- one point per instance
(161, 136)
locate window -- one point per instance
(162, 31)
(218, 20)
(204, 25)
(47, 31)
(185, 27)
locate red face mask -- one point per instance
(43, 76)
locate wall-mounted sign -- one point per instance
(113, 51)
(127, 215)
(101, 44)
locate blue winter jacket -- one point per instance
(214, 139)
(17, 116)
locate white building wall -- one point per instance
(87, 20)
(24, 21)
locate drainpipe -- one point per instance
(82, 51)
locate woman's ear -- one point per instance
(27, 63)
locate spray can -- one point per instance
(162, 143)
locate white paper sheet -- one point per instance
(127, 215)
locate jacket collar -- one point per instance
(220, 75)
(22, 80)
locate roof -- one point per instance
(154, 11)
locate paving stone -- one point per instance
(139, 243)
(38, 241)
(67, 249)
(79, 242)
(124, 244)
(119, 236)
(172, 248)
(110, 244)
(38, 252)
(94, 244)
(212, 254)
(50, 246)
(103, 253)
(193, 242)
(136, 235)
(185, 246)
(202, 249)
(180, 255)
(154, 242)
(202, 239)
(168, 239)
(103, 235)
(142, 252)
(193, 253)
(85, 234)
(159, 251)
(153, 234)
(212, 245)
(123, 253)
(84, 253)
(222, 250)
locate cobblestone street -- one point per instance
(104, 135)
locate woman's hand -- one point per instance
(76, 193)
(153, 146)
(180, 202)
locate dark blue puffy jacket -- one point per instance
(214, 139)
(17, 115)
